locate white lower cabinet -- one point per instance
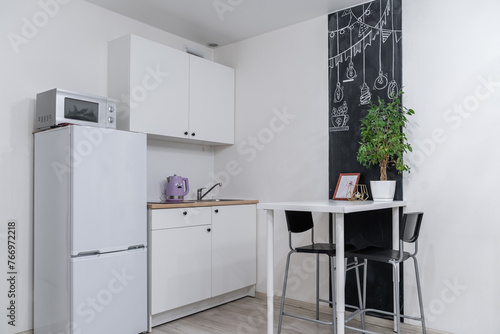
(233, 248)
(181, 271)
(200, 253)
(181, 263)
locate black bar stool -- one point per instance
(409, 231)
(299, 222)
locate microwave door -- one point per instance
(108, 190)
(80, 110)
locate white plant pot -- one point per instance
(383, 191)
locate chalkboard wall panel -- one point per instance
(364, 64)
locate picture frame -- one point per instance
(346, 185)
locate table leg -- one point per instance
(395, 245)
(270, 270)
(340, 273)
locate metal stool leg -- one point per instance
(317, 286)
(284, 291)
(359, 293)
(334, 307)
(419, 290)
(365, 274)
(396, 298)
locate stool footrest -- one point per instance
(360, 330)
(354, 315)
(329, 302)
(362, 311)
(306, 318)
(357, 312)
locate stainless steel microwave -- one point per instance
(58, 106)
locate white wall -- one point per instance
(196, 162)
(452, 79)
(281, 144)
(61, 44)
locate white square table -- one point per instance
(338, 209)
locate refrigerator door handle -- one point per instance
(136, 247)
(88, 253)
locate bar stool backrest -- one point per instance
(410, 226)
(299, 221)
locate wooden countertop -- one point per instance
(191, 204)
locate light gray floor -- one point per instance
(248, 315)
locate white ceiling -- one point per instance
(222, 21)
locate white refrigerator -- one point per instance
(90, 231)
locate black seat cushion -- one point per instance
(322, 248)
(378, 254)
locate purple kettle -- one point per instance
(176, 188)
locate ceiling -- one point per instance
(222, 21)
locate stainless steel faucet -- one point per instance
(199, 196)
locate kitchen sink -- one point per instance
(218, 200)
(165, 202)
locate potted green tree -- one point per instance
(383, 143)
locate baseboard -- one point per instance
(180, 312)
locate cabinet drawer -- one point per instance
(182, 217)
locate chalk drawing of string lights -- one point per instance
(393, 90)
(381, 81)
(338, 94)
(351, 71)
(365, 96)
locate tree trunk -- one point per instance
(383, 171)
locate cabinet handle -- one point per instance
(185, 213)
(185, 133)
(193, 134)
(209, 229)
(216, 210)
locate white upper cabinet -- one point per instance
(211, 108)
(170, 94)
(159, 97)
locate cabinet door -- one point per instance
(211, 109)
(180, 267)
(234, 262)
(159, 89)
